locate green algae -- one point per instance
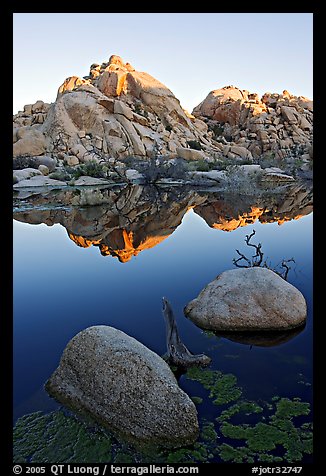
(180, 456)
(208, 432)
(278, 433)
(288, 409)
(223, 387)
(261, 437)
(197, 453)
(123, 457)
(197, 400)
(61, 438)
(246, 407)
(57, 437)
(235, 455)
(275, 432)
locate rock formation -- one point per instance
(115, 111)
(118, 112)
(248, 299)
(126, 387)
(275, 125)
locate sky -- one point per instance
(191, 53)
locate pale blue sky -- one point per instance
(191, 53)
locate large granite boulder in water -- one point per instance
(249, 299)
(124, 386)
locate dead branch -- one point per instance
(257, 259)
(259, 253)
(287, 268)
(178, 354)
(242, 257)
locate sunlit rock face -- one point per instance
(129, 220)
(114, 111)
(222, 105)
(271, 126)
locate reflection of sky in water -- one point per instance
(60, 289)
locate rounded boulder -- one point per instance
(126, 387)
(248, 299)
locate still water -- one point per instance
(111, 263)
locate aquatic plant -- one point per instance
(208, 432)
(60, 438)
(262, 438)
(247, 407)
(197, 400)
(276, 432)
(223, 387)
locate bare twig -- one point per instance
(287, 268)
(259, 253)
(236, 261)
(257, 259)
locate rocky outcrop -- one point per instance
(274, 126)
(37, 180)
(126, 387)
(248, 299)
(25, 174)
(115, 111)
(33, 142)
(31, 115)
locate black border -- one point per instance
(6, 331)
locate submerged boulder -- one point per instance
(126, 387)
(262, 339)
(248, 299)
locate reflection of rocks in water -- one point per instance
(123, 221)
(136, 218)
(262, 339)
(121, 244)
(231, 211)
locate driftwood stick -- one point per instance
(177, 352)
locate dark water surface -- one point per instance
(110, 264)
